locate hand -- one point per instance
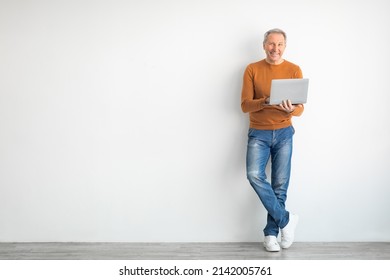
(287, 106)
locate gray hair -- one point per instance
(275, 30)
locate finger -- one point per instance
(292, 106)
(287, 105)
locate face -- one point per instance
(274, 48)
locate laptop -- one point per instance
(292, 89)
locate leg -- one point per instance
(258, 154)
(281, 153)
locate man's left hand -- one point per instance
(287, 106)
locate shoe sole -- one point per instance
(271, 250)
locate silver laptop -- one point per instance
(292, 89)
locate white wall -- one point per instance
(121, 120)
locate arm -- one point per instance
(248, 103)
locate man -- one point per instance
(270, 136)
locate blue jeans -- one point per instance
(277, 145)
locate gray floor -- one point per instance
(193, 251)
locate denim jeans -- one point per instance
(277, 145)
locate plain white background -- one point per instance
(121, 120)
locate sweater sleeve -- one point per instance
(298, 109)
(248, 103)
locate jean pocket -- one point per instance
(251, 132)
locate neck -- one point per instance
(274, 62)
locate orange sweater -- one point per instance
(256, 89)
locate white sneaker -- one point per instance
(288, 232)
(271, 244)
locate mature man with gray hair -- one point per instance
(270, 136)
